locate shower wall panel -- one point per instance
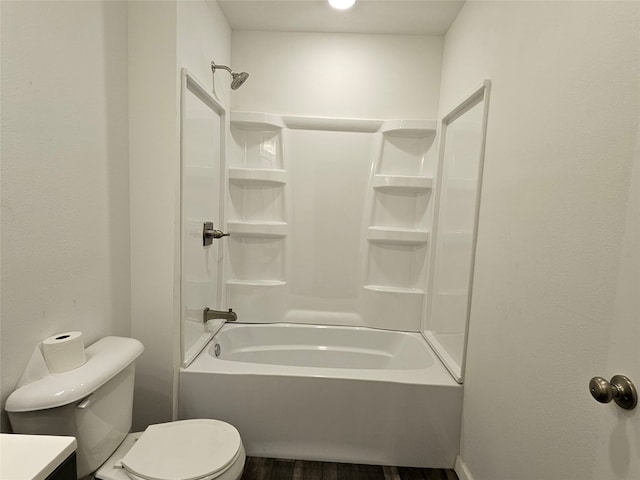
(329, 220)
(330, 173)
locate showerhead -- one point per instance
(237, 79)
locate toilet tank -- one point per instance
(92, 403)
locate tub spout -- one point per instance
(209, 314)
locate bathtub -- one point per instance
(345, 394)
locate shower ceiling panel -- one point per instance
(402, 17)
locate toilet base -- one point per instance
(112, 468)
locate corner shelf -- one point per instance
(256, 283)
(401, 183)
(256, 121)
(408, 236)
(265, 229)
(397, 235)
(409, 128)
(390, 289)
(258, 175)
(405, 144)
(256, 141)
(257, 189)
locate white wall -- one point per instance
(563, 123)
(65, 175)
(154, 189)
(163, 37)
(619, 429)
(204, 36)
(65, 179)
(338, 75)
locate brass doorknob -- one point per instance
(619, 389)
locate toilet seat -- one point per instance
(201, 449)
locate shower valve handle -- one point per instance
(209, 233)
(215, 233)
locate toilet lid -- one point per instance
(185, 450)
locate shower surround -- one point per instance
(329, 220)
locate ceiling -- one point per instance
(406, 17)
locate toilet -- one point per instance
(94, 403)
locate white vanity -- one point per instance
(37, 457)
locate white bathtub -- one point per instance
(328, 393)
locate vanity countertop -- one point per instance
(32, 457)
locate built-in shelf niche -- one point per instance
(388, 289)
(257, 176)
(400, 210)
(256, 283)
(402, 183)
(403, 176)
(399, 265)
(404, 152)
(252, 202)
(400, 214)
(257, 141)
(267, 229)
(407, 236)
(391, 307)
(256, 209)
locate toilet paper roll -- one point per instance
(64, 352)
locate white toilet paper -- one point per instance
(64, 352)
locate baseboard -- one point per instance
(462, 470)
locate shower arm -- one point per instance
(214, 66)
(238, 79)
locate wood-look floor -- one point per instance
(277, 469)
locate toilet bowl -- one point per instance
(94, 403)
(199, 449)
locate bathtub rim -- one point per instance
(435, 374)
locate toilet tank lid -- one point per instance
(105, 359)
